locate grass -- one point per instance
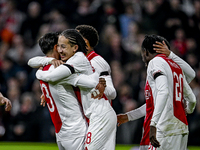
(53, 146)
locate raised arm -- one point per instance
(188, 71)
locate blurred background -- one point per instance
(122, 25)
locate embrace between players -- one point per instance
(79, 88)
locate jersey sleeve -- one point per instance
(189, 97)
(39, 61)
(137, 113)
(102, 66)
(188, 71)
(87, 81)
(158, 73)
(57, 74)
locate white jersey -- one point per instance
(189, 75)
(98, 63)
(165, 86)
(65, 110)
(102, 128)
(79, 64)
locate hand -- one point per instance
(100, 88)
(152, 137)
(102, 81)
(56, 62)
(7, 102)
(41, 68)
(43, 101)
(99, 91)
(161, 48)
(122, 118)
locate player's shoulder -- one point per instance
(77, 58)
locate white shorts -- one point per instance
(101, 132)
(76, 144)
(144, 147)
(176, 142)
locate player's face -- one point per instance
(65, 49)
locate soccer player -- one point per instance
(65, 110)
(6, 102)
(102, 127)
(140, 112)
(91, 37)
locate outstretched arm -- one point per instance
(131, 115)
(40, 61)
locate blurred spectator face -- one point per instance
(27, 103)
(34, 9)
(174, 3)
(180, 34)
(150, 7)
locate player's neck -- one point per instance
(89, 50)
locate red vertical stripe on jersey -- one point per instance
(51, 104)
(78, 95)
(149, 113)
(179, 110)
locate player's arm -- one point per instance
(131, 115)
(160, 102)
(40, 61)
(188, 71)
(102, 66)
(189, 97)
(61, 72)
(5, 101)
(110, 91)
(161, 97)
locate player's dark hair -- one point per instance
(48, 41)
(149, 40)
(89, 33)
(75, 38)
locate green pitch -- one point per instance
(53, 146)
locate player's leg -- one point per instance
(184, 142)
(100, 130)
(110, 143)
(75, 144)
(60, 147)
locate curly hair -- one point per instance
(89, 33)
(149, 40)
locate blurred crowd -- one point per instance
(122, 25)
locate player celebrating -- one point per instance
(65, 110)
(140, 112)
(102, 127)
(91, 38)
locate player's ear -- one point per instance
(75, 48)
(55, 47)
